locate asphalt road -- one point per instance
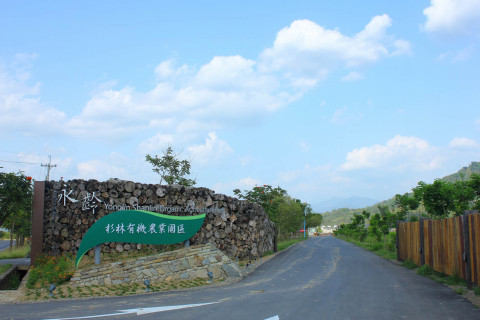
(322, 278)
(4, 244)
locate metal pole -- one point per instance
(304, 217)
(97, 254)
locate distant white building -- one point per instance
(329, 229)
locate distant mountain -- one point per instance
(337, 203)
(344, 214)
(464, 173)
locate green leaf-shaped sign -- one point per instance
(135, 226)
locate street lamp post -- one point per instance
(304, 217)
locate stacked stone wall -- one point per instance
(184, 264)
(238, 228)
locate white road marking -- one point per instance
(140, 311)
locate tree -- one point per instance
(356, 228)
(375, 226)
(16, 195)
(170, 168)
(474, 184)
(286, 212)
(387, 220)
(405, 203)
(463, 196)
(436, 197)
(314, 220)
(266, 196)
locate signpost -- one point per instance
(137, 226)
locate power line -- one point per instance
(20, 162)
(49, 166)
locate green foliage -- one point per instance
(470, 175)
(404, 204)
(286, 212)
(413, 219)
(476, 291)
(409, 265)
(14, 253)
(392, 242)
(16, 194)
(383, 248)
(4, 267)
(425, 270)
(314, 220)
(464, 174)
(442, 198)
(51, 270)
(266, 196)
(284, 244)
(455, 280)
(356, 228)
(171, 169)
(14, 281)
(436, 197)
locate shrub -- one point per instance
(392, 241)
(476, 290)
(52, 270)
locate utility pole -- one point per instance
(49, 166)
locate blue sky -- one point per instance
(324, 99)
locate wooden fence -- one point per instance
(450, 246)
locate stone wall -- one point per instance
(238, 228)
(188, 263)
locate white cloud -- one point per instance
(353, 76)
(453, 17)
(242, 184)
(211, 152)
(457, 56)
(101, 170)
(400, 152)
(21, 109)
(307, 51)
(346, 115)
(305, 147)
(245, 160)
(463, 143)
(307, 173)
(157, 143)
(225, 91)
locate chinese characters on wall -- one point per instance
(141, 228)
(89, 201)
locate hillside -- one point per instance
(464, 174)
(343, 215)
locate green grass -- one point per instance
(409, 265)
(284, 244)
(380, 247)
(4, 267)
(20, 252)
(476, 291)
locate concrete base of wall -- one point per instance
(187, 263)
